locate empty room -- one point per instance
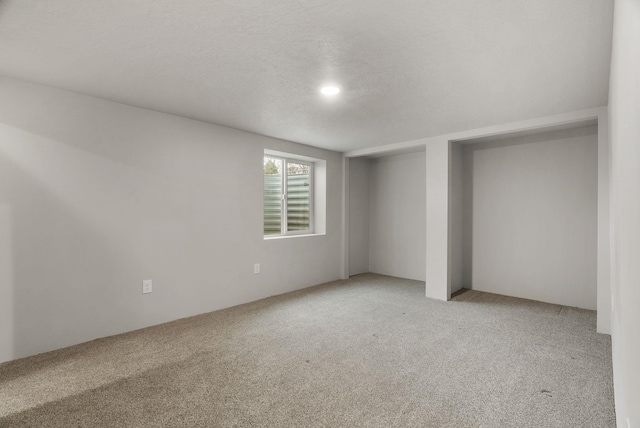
(319, 213)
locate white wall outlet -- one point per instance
(256, 268)
(147, 286)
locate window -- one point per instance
(288, 196)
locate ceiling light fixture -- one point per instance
(330, 90)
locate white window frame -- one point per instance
(284, 195)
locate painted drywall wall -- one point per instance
(534, 216)
(397, 215)
(466, 171)
(603, 324)
(624, 111)
(437, 266)
(456, 218)
(358, 215)
(97, 196)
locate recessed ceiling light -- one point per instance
(330, 90)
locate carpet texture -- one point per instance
(368, 351)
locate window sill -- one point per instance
(273, 238)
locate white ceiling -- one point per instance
(408, 68)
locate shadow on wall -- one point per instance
(80, 232)
(57, 267)
(77, 235)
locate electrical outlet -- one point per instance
(256, 268)
(147, 286)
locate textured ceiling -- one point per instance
(407, 68)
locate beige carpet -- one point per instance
(369, 351)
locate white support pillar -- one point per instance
(604, 227)
(437, 275)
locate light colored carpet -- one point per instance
(369, 351)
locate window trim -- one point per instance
(287, 158)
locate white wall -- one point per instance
(456, 218)
(466, 170)
(397, 215)
(97, 196)
(604, 226)
(438, 284)
(358, 215)
(624, 125)
(534, 216)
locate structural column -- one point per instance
(437, 275)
